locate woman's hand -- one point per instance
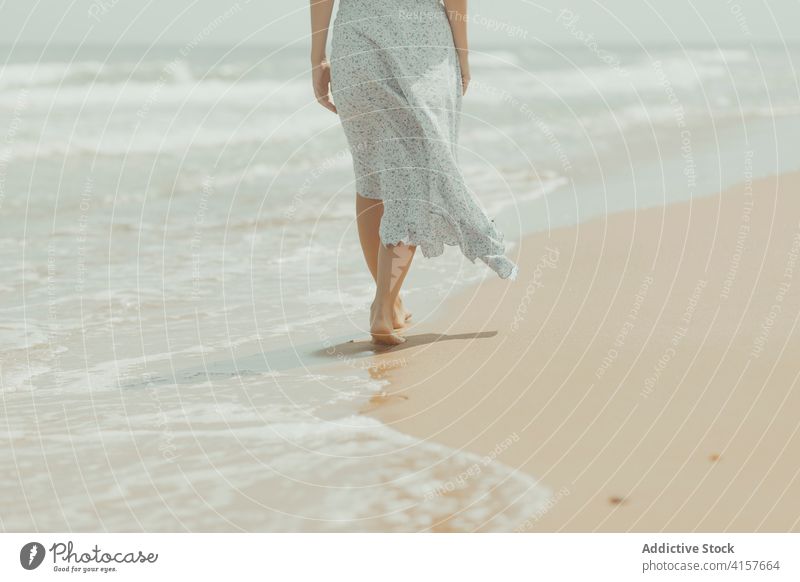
(321, 78)
(465, 76)
(457, 16)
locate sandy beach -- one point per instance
(643, 367)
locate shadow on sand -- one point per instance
(364, 348)
(290, 358)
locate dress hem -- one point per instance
(504, 267)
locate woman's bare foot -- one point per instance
(400, 316)
(381, 327)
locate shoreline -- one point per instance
(642, 365)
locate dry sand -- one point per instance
(644, 367)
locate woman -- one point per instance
(397, 73)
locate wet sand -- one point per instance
(644, 367)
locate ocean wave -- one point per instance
(249, 464)
(64, 74)
(144, 96)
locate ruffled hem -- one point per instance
(503, 266)
(418, 222)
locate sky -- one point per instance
(492, 21)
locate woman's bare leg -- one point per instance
(393, 264)
(369, 213)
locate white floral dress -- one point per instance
(396, 82)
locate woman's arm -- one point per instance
(321, 11)
(457, 14)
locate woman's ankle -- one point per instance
(382, 307)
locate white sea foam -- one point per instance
(283, 467)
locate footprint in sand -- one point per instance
(383, 399)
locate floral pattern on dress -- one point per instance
(396, 82)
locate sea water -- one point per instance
(181, 273)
